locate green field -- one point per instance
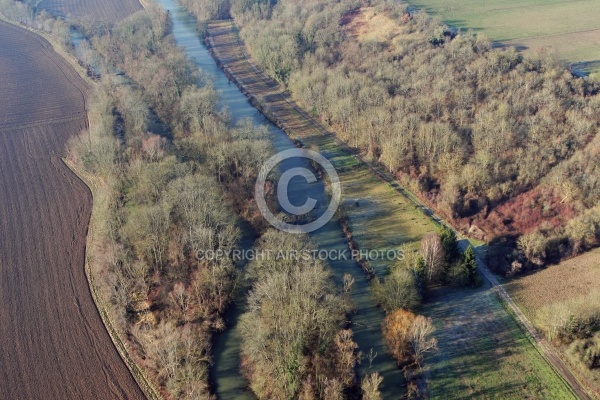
(483, 352)
(572, 28)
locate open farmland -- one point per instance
(567, 285)
(475, 333)
(572, 28)
(53, 342)
(26, 91)
(558, 283)
(106, 11)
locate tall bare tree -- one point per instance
(433, 253)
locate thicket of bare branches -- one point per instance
(499, 143)
(293, 341)
(175, 168)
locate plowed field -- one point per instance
(107, 11)
(53, 344)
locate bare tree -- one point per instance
(370, 386)
(432, 251)
(421, 338)
(181, 299)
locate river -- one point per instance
(366, 323)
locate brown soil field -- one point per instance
(107, 11)
(571, 280)
(566, 281)
(54, 345)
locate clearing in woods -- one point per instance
(366, 24)
(54, 344)
(106, 11)
(572, 28)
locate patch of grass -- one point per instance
(570, 27)
(368, 25)
(484, 353)
(382, 219)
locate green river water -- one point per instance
(366, 323)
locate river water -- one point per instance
(366, 323)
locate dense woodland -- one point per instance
(168, 199)
(174, 176)
(293, 341)
(503, 146)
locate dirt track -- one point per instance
(53, 343)
(106, 11)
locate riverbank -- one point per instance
(229, 50)
(379, 207)
(375, 217)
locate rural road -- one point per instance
(542, 345)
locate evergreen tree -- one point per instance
(470, 265)
(450, 243)
(420, 274)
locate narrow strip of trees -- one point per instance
(175, 171)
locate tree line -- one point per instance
(502, 145)
(575, 323)
(176, 176)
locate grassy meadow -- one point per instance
(474, 332)
(572, 28)
(565, 284)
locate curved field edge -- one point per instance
(100, 10)
(98, 191)
(57, 48)
(49, 216)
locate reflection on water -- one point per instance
(367, 322)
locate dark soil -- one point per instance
(53, 342)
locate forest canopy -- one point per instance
(502, 145)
